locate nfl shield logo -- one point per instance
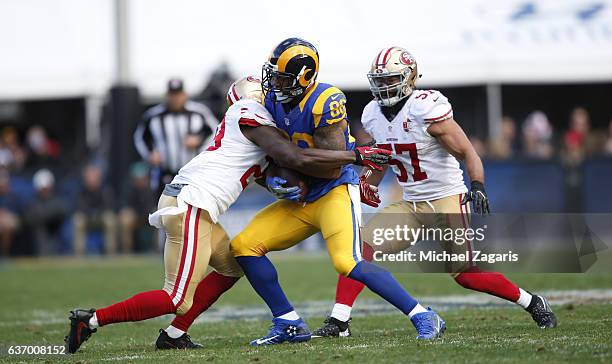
(287, 122)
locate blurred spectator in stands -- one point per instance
(172, 133)
(579, 140)
(575, 137)
(6, 158)
(12, 154)
(46, 214)
(537, 136)
(608, 144)
(43, 152)
(505, 145)
(10, 209)
(479, 146)
(133, 216)
(94, 213)
(215, 91)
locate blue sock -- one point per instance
(381, 282)
(263, 277)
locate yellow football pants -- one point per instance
(284, 223)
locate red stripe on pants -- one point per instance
(177, 281)
(194, 247)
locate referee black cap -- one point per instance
(175, 85)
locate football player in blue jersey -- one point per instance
(313, 115)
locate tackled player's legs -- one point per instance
(336, 215)
(276, 227)
(339, 217)
(347, 289)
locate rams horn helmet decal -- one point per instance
(290, 70)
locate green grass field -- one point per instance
(37, 295)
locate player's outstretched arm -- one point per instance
(454, 140)
(311, 161)
(372, 176)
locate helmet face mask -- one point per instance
(282, 85)
(388, 89)
(392, 76)
(291, 70)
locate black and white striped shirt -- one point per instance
(165, 131)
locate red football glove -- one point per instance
(372, 157)
(369, 193)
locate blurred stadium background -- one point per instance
(530, 82)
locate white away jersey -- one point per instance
(424, 169)
(215, 178)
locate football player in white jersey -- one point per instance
(189, 208)
(419, 128)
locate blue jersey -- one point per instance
(322, 105)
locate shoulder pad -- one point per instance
(251, 113)
(329, 107)
(430, 106)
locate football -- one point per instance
(293, 177)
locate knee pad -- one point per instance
(238, 246)
(344, 266)
(244, 246)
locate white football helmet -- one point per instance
(245, 88)
(392, 76)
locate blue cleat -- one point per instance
(428, 324)
(293, 331)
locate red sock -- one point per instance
(489, 282)
(142, 306)
(207, 292)
(348, 289)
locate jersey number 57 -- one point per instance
(400, 148)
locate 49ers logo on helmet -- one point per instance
(253, 79)
(405, 58)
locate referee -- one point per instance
(172, 133)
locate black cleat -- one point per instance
(541, 312)
(79, 329)
(332, 327)
(165, 342)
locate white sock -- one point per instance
(524, 299)
(290, 316)
(93, 321)
(173, 332)
(341, 312)
(417, 309)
